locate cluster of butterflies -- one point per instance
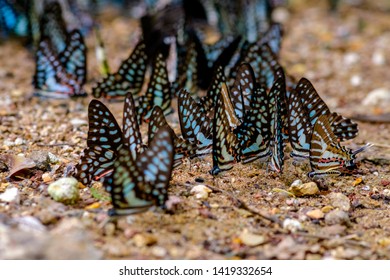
(249, 110)
(247, 116)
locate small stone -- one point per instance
(357, 182)
(251, 239)
(304, 189)
(78, 122)
(53, 159)
(201, 191)
(356, 80)
(326, 209)
(159, 252)
(378, 97)
(385, 183)
(315, 214)
(366, 188)
(280, 15)
(64, 190)
(292, 225)
(18, 141)
(41, 159)
(378, 58)
(10, 195)
(46, 177)
(386, 192)
(109, 229)
(94, 205)
(296, 183)
(340, 201)
(385, 242)
(333, 230)
(375, 173)
(4, 186)
(142, 240)
(336, 216)
(351, 58)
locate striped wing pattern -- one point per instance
(136, 185)
(327, 156)
(159, 91)
(129, 77)
(195, 124)
(182, 147)
(343, 128)
(56, 75)
(226, 149)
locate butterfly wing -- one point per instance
(345, 128)
(53, 26)
(183, 147)
(209, 100)
(242, 90)
(129, 77)
(74, 57)
(158, 92)
(226, 148)
(195, 124)
(131, 133)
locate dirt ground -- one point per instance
(344, 54)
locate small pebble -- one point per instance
(109, 229)
(296, 183)
(304, 189)
(375, 173)
(10, 195)
(64, 190)
(53, 159)
(292, 225)
(337, 217)
(159, 252)
(340, 201)
(366, 188)
(315, 214)
(46, 177)
(356, 80)
(201, 191)
(378, 58)
(379, 96)
(142, 240)
(251, 239)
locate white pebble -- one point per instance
(379, 96)
(356, 80)
(292, 225)
(296, 183)
(351, 58)
(366, 188)
(78, 122)
(201, 191)
(10, 195)
(378, 58)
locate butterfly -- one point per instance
(327, 156)
(129, 77)
(277, 141)
(12, 19)
(273, 37)
(195, 123)
(263, 61)
(344, 128)
(226, 149)
(242, 89)
(53, 26)
(182, 147)
(204, 70)
(209, 100)
(105, 139)
(61, 75)
(158, 93)
(136, 184)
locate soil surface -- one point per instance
(346, 56)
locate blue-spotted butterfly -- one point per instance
(343, 128)
(182, 147)
(53, 26)
(62, 75)
(327, 156)
(209, 100)
(13, 20)
(195, 123)
(105, 139)
(136, 184)
(158, 93)
(129, 77)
